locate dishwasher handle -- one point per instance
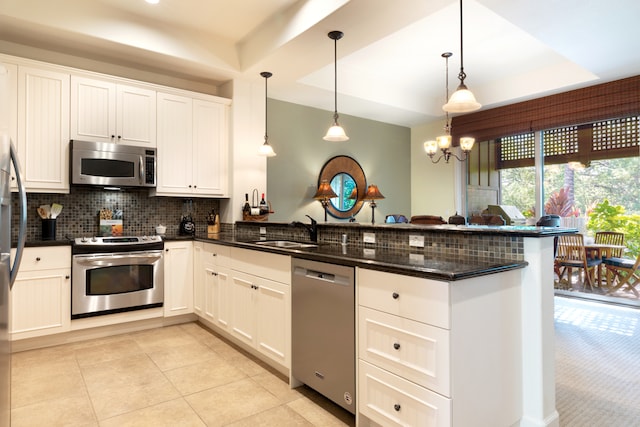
(321, 276)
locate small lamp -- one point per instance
(373, 194)
(324, 193)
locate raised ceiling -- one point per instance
(389, 68)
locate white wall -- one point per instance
(246, 135)
(434, 187)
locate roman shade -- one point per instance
(620, 98)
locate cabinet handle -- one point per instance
(395, 295)
(397, 407)
(119, 137)
(396, 345)
(214, 254)
(166, 250)
(195, 186)
(67, 277)
(38, 258)
(113, 136)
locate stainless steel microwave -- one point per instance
(112, 165)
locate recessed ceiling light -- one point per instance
(152, 1)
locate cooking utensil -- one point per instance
(47, 210)
(55, 210)
(42, 213)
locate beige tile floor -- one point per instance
(174, 376)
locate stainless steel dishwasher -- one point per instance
(323, 329)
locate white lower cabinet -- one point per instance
(212, 283)
(260, 295)
(178, 278)
(434, 353)
(41, 295)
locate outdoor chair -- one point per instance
(571, 256)
(623, 272)
(611, 238)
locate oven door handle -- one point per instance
(101, 259)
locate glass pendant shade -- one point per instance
(462, 101)
(431, 147)
(266, 150)
(466, 143)
(444, 141)
(336, 134)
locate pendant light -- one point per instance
(462, 100)
(336, 132)
(265, 148)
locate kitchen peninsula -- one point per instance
(498, 293)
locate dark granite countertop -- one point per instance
(405, 262)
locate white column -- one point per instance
(538, 335)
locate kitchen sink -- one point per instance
(285, 244)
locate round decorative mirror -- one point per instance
(349, 183)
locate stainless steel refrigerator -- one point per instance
(8, 269)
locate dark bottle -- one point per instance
(246, 208)
(264, 207)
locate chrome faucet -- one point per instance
(311, 228)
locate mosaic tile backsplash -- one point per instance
(79, 216)
(482, 247)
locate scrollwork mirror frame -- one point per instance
(348, 165)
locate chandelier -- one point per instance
(443, 142)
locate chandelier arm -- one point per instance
(437, 161)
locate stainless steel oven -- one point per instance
(115, 274)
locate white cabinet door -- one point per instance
(210, 163)
(106, 111)
(175, 149)
(43, 129)
(178, 278)
(40, 300)
(198, 278)
(243, 303)
(136, 115)
(9, 107)
(273, 320)
(93, 110)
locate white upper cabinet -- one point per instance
(106, 111)
(43, 128)
(192, 146)
(9, 107)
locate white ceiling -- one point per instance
(389, 62)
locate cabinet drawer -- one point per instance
(270, 266)
(423, 300)
(390, 400)
(219, 255)
(45, 258)
(413, 350)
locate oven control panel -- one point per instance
(131, 240)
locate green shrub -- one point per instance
(607, 217)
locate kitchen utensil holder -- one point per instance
(48, 229)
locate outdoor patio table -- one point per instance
(600, 251)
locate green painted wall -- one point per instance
(295, 132)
